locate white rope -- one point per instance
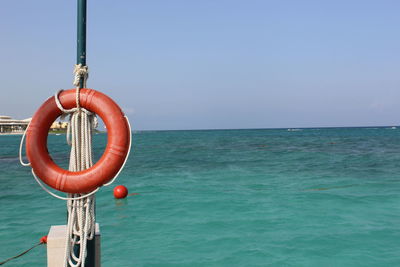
(20, 147)
(69, 111)
(81, 217)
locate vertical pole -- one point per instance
(81, 35)
(81, 59)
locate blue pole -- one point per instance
(81, 35)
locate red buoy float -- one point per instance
(120, 191)
(113, 158)
(43, 239)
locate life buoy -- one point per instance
(117, 148)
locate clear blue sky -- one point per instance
(212, 63)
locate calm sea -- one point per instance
(311, 197)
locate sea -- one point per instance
(259, 197)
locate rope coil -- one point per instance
(81, 217)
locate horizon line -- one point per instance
(268, 128)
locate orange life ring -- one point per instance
(118, 140)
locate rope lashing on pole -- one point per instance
(81, 73)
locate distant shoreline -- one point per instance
(11, 133)
(233, 129)
(51, 132)
(280, 128)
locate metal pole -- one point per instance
(81, 59)
(81, 35)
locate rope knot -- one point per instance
(81, 72)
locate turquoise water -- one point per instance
(314, 197)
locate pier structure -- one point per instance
(9, 125)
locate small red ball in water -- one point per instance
(43, 239)
(120, 191)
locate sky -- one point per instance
(211, 64)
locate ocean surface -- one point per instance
(305, 197)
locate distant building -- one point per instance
(58, 125)
(10, 125)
